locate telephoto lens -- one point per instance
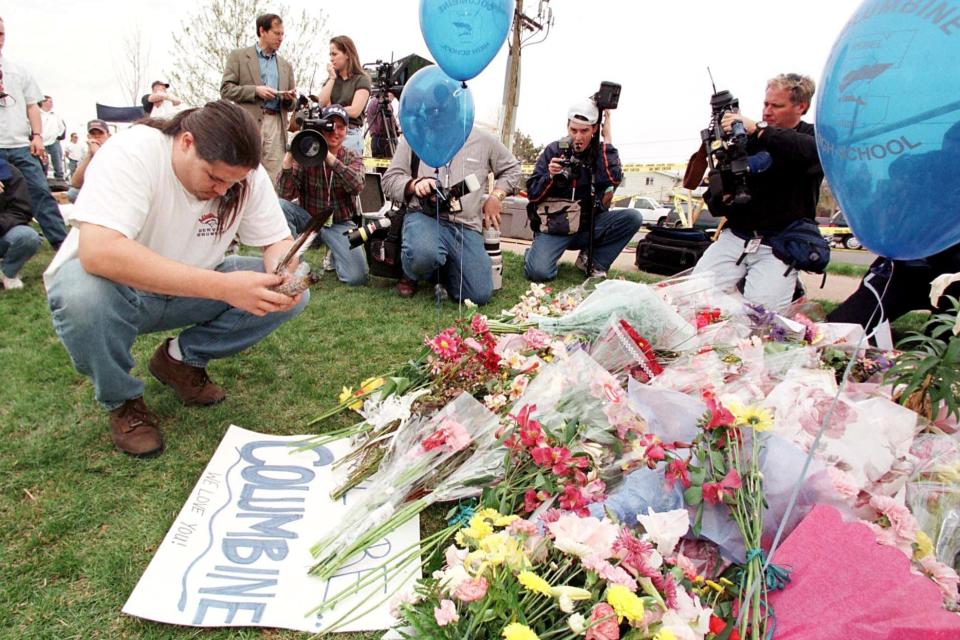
(361, 234)
(491, 244)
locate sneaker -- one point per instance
(328, 262)
(192, 384)
(406, 288)
(582, 265)
(12, 283)
(133, 429)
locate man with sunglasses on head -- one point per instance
(21, 141)
(780, 194)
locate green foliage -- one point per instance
(524, 149)
(929, 364)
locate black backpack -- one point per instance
(801, 246)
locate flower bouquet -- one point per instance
(509, 578)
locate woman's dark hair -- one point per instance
(222, 132)
(345, 44)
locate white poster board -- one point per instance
(239, 551)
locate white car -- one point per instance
(653, 213)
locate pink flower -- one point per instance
(471, 590)
(446, 344)
(450, 437)
(902, 522)
(533, 499)
(536, 339)
(636, 555)
(845, 484)
(473, 344)
(583, 536)
(522, 527)
(717, 492)
(720, 416)
(479, 324)
(677, 470)
(445, 613)
(945, 577)
(572, 499)
(603, 623)
(686, 566)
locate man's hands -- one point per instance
(606, 132)
(726, 122)
(554, 167)
(424, 187)
(92, 147)
(265, 93)
(36, 147)
(491, 212)
(252, 292)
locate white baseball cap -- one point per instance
(584, 111)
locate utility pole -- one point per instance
(511, 81)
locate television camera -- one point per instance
(308, 146)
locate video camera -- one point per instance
(308, 147)
(726, 152)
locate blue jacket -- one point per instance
(606, 172)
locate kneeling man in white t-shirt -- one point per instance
(147, 252)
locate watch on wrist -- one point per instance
(34, 134)
(760, 127)
(499, 195)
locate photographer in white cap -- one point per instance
(570, 189)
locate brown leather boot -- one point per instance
(134, 429)
(192, 384)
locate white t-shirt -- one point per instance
(130, 187)
(52, 127)
(74, 151)
(23, 89)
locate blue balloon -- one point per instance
(465, 35)
(888, 127)
(436, 115)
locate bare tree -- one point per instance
(217, 27)
(131, 67)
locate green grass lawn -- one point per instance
(79, 521)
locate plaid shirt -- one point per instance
(309, 185)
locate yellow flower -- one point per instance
(752, 416)
(922, 545)
(533, 582)
(517, 631)
(625, 603)
(725, 582)
(370, 384)
(345, 394)
(500, 548)
(665, 634)
(475, 531)
(716, 587)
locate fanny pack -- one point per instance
(558, 217)
(801, 246)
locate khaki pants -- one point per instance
(273, 142)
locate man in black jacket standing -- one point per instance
(785, 192)
(18, 241)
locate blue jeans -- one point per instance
(354, 140)
(612, 233)
(55, 153)
(16, 247)
(351, 264)
(430, 244)
(45, 208)
(98, 320)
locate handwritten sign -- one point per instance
(239, 551)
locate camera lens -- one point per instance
(308, 148)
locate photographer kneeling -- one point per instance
(442, 231)
(779, 191)
(330, 187)
(574, 178)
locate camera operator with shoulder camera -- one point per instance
(442, 226)
(326, 187)
(571, 189)
(769, 197)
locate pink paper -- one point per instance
(845, 585)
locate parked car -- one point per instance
(838, 232)
(652, 211)
(705, 220)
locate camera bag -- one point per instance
(558, 217)
(383, 250)
(801, 246)
(668, 251)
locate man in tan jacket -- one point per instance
(262, 82)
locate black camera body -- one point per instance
(726, 152)
(447, 199)
(308, 147)
(608, 97)
(571, 163)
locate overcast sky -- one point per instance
(658, 51)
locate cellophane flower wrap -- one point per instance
(416, 452)
(507, 578)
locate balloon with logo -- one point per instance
(436, 115)
(464, 35)
(888, 127)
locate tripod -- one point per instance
(388, 127)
